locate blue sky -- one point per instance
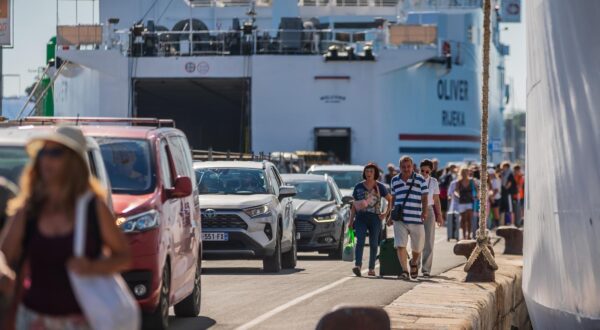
(35, 24)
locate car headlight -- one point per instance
(326, 217)
(139, 222)
(258, 211)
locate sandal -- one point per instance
(372, 272)
(404, 276)
(356, 271)
(414, 270)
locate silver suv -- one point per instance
(247, 213)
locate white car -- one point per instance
(13, 156)
(247, 213)
(345, 176)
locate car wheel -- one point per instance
(272, 264)
(336, 254)
(190, 306)
(159, 320)
(290, 259)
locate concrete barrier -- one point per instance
(448, 302)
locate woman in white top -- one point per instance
(434, 215)
(495, 196)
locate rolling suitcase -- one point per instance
(388, 259)
(452, 222)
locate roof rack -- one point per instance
(39, 120)
(211, 155)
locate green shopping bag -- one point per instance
(348, 254)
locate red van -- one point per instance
(156, 202)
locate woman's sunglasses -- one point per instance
(52, 152)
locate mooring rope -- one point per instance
(482, 234)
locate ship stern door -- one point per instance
(334, 140)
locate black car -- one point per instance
(321, 213)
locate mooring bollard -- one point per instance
(513, 237)
(480, 271)
(355, 318)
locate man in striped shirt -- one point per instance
(409, 190)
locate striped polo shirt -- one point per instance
(413, 207)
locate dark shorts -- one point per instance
(444, 204)
(495, 203)
(506, 204)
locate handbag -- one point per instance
(397, 211)
(348, 253)
(363, 204)
(105, 300)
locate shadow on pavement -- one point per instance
(200, 322)
(246, 271)
(322, 257)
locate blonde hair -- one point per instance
(76, 180)
(460, 172)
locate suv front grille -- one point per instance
(303, 226)
(224, 221)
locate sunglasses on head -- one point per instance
(52, 152)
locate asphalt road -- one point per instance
(236, 294)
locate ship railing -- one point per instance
(404, 4)
(239, 42)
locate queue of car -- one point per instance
(175, 211)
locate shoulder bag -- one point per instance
(397, 211)
(105, 300)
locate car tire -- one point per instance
(190, 305)
(159, 319)
(336, 254)
(290, 258)
(272, 264)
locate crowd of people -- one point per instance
(421, 196)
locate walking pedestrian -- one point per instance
(495, 196)
(366, 215)
(434, 215)
(444, 184)
(436, 171)
(464, 190)
(509, 186)
(410, 211)
(390, 173)
(41, 231)
(519, 195)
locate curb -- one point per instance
(446, 301)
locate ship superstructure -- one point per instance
(368, 80)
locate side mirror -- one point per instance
(181, 188)
(347, 200)
(287, 191)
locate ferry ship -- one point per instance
(367, 80)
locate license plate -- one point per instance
(215, 236)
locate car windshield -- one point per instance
(312, 190)
(12, 162)
(344, 179)
(231, 181)
(128, 164)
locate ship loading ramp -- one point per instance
(213, 112)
